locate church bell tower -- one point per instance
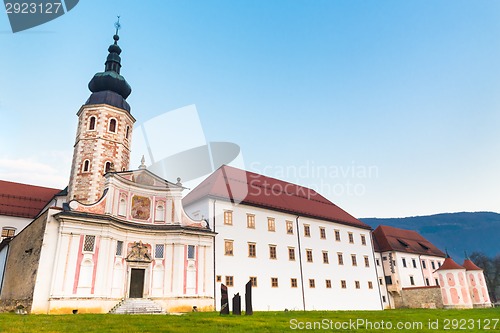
(104, 130)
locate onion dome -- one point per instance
(109, 87)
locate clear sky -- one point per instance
(388, 108)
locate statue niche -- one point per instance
(139, 253)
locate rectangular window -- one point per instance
(370, 285)
(388, 280)
(228, 217)
(322, 233)
(363, 240)
(414, 263)
(412, 281)
(380, 281)
(367, 262)
(312, 283)
(219, 278)
(309, 255)
(8, 232)
(293, 283)
(356, 283)
(88, 244)
(437, 282)
(272, 251)
(159, 249)
(404, 262)
(229, 281)
(252, 251)
(351, 237)
(378, 262)
(307, 231)
(353, 260)
(427, 282)
(253, 281)
(228, 247)
(328, 283)
(439, 263)
(191, 252)
(433, 265)
(337, 235)
(291, 253)
(325, 257)
(383, 299)
(251, 221)
(289, 227)
(340, 258)
(274, 282)
(424, 266)
(343, 284)
(119, 248)
(271, 224)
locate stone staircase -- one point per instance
(137, 306)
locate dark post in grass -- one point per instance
(237, 304)
(248, 299)
(224, 301)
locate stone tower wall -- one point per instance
(98, 146)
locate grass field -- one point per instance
(476, 320)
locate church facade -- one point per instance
(115, 234)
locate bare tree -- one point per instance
(491, 267)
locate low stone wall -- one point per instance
(419, 297)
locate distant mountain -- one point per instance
(456, 232)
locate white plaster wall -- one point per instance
(266, 297)
(19, 223)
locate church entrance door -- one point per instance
(136, 283)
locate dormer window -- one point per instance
(424, 246)
(402, 242)
(92, 123)
(112, 125)
(86, 166)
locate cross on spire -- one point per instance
(117, 25)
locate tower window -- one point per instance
(107, 167)
(86, 166)
(127, 132)
(112, 125)
(92, 123)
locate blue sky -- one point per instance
(397, 100)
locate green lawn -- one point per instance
(476, 320)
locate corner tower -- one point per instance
(104, 132)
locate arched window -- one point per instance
(107, 167)
(160, 212)
(122, 207)
(92, 123)
(127, 132)
(112, 125)
(86, 166)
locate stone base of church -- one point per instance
(186, 304)
(459, 306)
(104, 305)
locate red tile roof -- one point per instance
(470, 266)
(449, 264)
(388, 238)
(240, 186)
(22, 200)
